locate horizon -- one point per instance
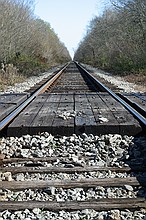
(67, 20)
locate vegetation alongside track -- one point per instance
(27, 42)
(116, 41)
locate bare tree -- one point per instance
(117, 39)
(22, 33)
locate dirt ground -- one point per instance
(139, 79)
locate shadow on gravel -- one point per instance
(136, 159)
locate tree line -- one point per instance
(116, 40)
(27, 41)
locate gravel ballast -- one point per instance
(118, 81)
(29, 82)
(86, 214)
(115, 80)
(104, 150)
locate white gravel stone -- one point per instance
(129, 188)
(77, 194)
(30, 82)
(118, 81)
(36, 211)
(6, 176)
(76, 215)
(103, 150)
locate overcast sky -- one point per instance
(69, 18)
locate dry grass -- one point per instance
(9, 74)
(5, 82)
(139, 79)
(9, 77)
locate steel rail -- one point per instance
(125, 104)
(13, 114)
(133, 104)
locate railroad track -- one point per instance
(75, 178)
(76, 95)
(79, 176)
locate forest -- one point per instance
(28, 45)
(116, 40)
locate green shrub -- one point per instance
(28, 65)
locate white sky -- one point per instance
(69, 18)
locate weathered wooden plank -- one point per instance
(43, 159)
(105, 182)
(41, 98)
(83, 109)
(39, 169)
(66, 106)
(81, 98)
(63, 124)
(41, 116)
(6, 109)
(53, 97)
(21, 125)
(127, 123)
(15, 98)
(44, 119)
(139, 99)
(63, 127)
(71, 88)
(33, 159)
(44, 114)
(139, 166)
(8, 102)
(136, 101)
(98, 205)
(85, 124)
(141, 95)
(102, 112)
(67, 98)
(84, 120)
